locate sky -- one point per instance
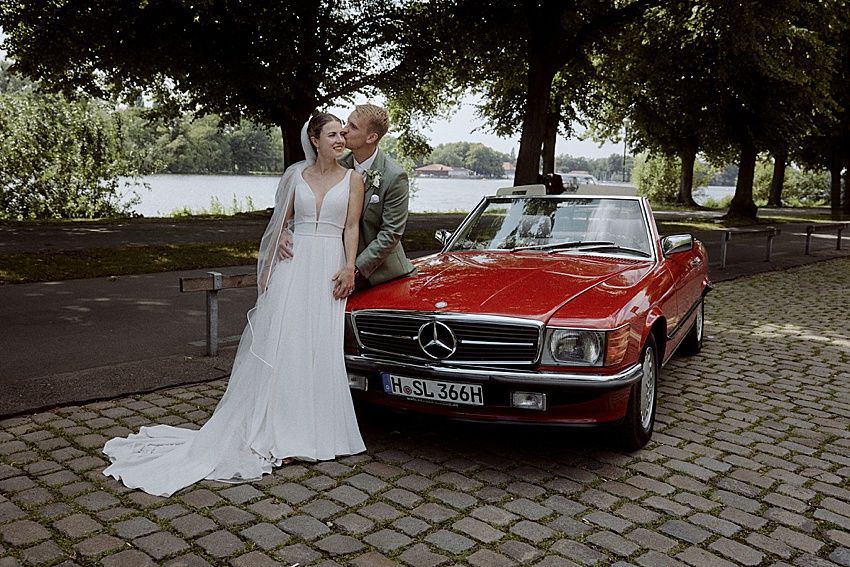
(459, 128)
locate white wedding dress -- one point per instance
(288, 393)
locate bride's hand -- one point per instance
(344, 282)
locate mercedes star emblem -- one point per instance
(437, 340)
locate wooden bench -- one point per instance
(212, 284)
(825, 227)
(728, 235)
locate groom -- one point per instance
(380, 256)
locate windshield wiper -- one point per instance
(565, 245)
(612, 246)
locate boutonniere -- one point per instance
(373, 178)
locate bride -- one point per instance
(288, 395)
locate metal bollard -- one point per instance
(723, 247)
(212, 315)
(770, 236)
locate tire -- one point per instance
(637, 426)
(693, 341)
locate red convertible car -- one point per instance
(538, 309)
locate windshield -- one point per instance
(562, 224)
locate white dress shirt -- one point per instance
(362, 168)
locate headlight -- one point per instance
(585, 347)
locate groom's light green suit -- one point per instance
(380, 256)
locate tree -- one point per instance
(527, 59)
(474, 156)
(271, 62)
(721, 77)
(253, 148)
(452, 154)
(777, 71)
(10, 82)
(657, 177)
(62, 159)
(485, 161)
(827, 145)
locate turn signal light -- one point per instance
(617, 344)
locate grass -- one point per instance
(687, 225)
(114, 262)
(57, 265)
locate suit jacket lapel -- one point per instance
(378, 164)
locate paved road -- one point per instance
(62, 342)
(748, 466)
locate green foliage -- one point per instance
(58, 265)
(61, 159)
(202, 144)
(801, 187)
(11, 83)
(761, 180)
(723, 203)
(475, 156)
(657, 177)
(809, 187)
(273, 63)
(217, 208)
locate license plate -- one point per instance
(433, 390)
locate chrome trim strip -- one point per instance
(632, 374)
(387, 335)
(496, 343)
(687, 316)
(689, 313)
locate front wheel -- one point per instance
(693, 341)
(636, 429)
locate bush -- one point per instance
(800, 187)
(657, 177)
(61, 159)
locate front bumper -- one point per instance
(572, 381)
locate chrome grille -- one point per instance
(479, 339)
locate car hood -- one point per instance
(522, 284)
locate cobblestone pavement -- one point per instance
(748, 466)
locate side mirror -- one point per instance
(443, 236)
(675, 243)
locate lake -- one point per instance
(175, 192)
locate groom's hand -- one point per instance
(284, 247)
(343, 283)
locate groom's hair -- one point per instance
(376, 117)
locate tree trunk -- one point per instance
(545, 56)
(688, 155)
(780, 159)
(551, 135)
(291, 132)
(742, 205)
(534, 124)
(835, 189)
